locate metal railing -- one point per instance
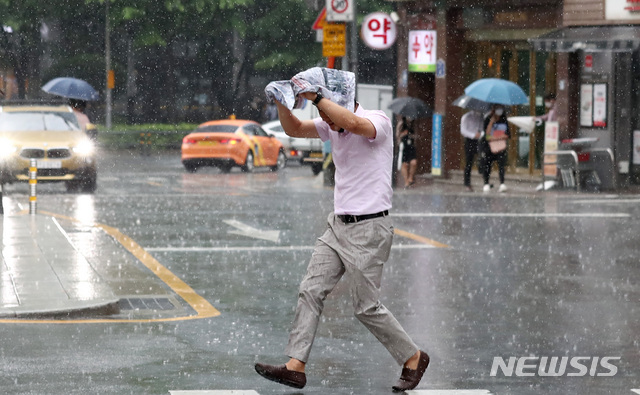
(572, 169)
(567, 173)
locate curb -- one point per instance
(65, 309)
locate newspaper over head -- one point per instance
(336, 85)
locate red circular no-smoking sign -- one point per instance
(339, 6)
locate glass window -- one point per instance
(250, 130)
(38, 121)
(217, 129)
(261, 132)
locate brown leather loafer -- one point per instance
(409, 379)
(280, 374)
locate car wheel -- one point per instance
(281, 162)
(87, 182)
(316, 168)
(191, 167)
(89, 185)
(248, 163)
(72, 186)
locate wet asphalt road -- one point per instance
(473, 277)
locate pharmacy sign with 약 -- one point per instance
(422, 51)
(622, 10)
(378, 31)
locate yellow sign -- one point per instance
(334, 39)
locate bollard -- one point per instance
(145, 143)
(33, 183)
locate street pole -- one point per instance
(107, 46)
(354, 45)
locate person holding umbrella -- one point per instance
(471, 126)
(409, 108)
(406, 135)
(78, 92)
(493, 145)
(78, 107)
(550, 105)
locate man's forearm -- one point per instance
(288, 121)
(293, 126)
(346, 119)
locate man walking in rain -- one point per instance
(357, 240)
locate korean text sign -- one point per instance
(378, 31)
(422, 51)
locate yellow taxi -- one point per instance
(51, 136)
(231, 142)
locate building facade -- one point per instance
(598, 45)
(571, 48)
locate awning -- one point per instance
(590, 39)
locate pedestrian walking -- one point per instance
(1, 176)
(471, 126)
(406, 135)
(357, 240)
(550, 116)
(550, 105)
(494, 145)
(270, 112)
(78, 107)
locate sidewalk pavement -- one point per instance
(516, 183)
(43, 275)
(53, 267)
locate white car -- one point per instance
(307, 151)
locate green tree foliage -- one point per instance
(166, 52)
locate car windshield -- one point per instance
(38, 121)
(218, 129)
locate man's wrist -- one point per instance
(318, 98)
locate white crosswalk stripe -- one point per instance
(216, 392)
(413, 392)
(448, 392)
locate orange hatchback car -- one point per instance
(228, 143)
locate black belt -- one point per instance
(350, 219)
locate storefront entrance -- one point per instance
(514, 61)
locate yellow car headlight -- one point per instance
(84, 148)
(7, 148)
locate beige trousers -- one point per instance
(359, 249)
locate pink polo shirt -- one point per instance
(363, 166)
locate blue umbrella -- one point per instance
(495, 90)
(71, 88)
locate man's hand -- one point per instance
(308, 95)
